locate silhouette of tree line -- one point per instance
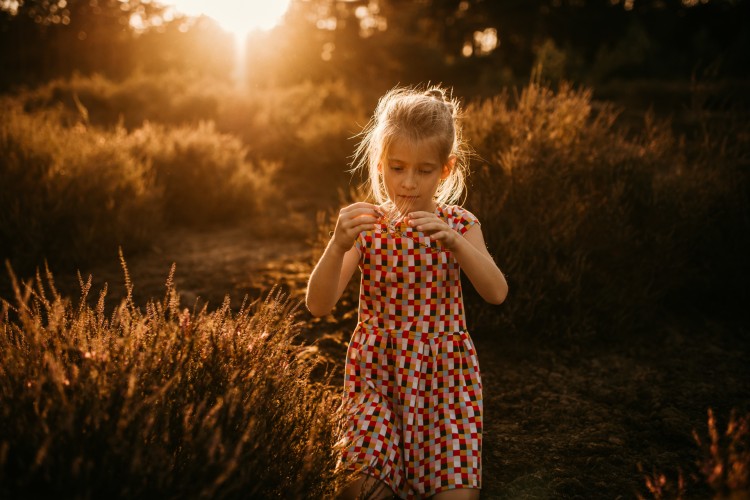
(479, 41)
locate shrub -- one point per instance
(723, 465)
(599, 228)
(69, 192)
(171, 98)
(304, 129)
(203, 175)
(159, 402)
(725, 460)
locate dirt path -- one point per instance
(560, 422)
(209, 265)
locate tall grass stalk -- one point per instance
(723, 465)
(159, 401)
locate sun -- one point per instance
(238, 17)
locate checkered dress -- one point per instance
(412, 383)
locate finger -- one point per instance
(361, 221)
(430, 225)
(370, 212)
(365, 227)
(361, 211)
(422, 221)
(420, 214)
(361, 205)
(357, 227)
(440, 236)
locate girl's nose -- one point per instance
(409, 180)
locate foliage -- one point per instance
(69, 190)
(73, 192)
(202, 174)
(599, 229)
(321, 40)
(723, 464)
(159, 401)
(304, 128)
(171, 98)
(550, 61)
(629, 54)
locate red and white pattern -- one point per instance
(412, 385)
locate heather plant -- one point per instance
(69, 192)
(303, 128)
(264, 118)
(722, 468)
(202, 175)
(599, 228)
(170, 98)
(725, 457)
(72, 192)
(159, 401)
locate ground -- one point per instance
(562, 420)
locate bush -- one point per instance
(170, 98)
(161, 402)
(599, 229)
(306, 127)
(72, 192)
(202, 175)
(723, 465)
(303, 128)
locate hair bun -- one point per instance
(437, 93)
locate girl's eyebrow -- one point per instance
(420, 164)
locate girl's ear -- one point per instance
(380, 167)
(448, 167)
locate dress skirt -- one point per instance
(415, 410)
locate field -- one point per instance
(617, 367)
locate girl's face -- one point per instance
(412, 172)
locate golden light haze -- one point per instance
(239, 17)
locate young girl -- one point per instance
(412, 385)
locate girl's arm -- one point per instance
(470, 251)
(339, 260)
(329, 279)
(476, 262)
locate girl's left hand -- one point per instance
(435, 227)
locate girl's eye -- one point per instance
(426, 172)
(396, 167)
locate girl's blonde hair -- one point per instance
(415, 115)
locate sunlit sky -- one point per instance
(236, 16)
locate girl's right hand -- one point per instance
(352, 220)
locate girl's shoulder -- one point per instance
(457, 217)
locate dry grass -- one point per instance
(723, 466)
(725, 462)
(599, 228)
(73, 192)
(160, 401)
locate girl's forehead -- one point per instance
(407, 147)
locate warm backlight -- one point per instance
(239, 17)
